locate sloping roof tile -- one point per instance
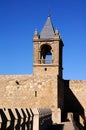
(48, 30)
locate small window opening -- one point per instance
(45, 69)
(17, 82)
(35, 93)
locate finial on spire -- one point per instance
(49, 15)
(56, 32)
(36, 35)
(57, 36)
(36, 32)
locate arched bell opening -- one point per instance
(46, 54)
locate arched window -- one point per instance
(46, 54)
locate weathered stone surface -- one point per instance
(28, 91)
(78, 87)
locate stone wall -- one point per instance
(44, 69)
(75, 98)
(78, 87)
(28, 91)
(43, 91)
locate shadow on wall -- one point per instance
(17, 119)
(45, 122)
(56, 127)
(71, 103)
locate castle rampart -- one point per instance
(28, 91)
(46, 88)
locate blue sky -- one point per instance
(19, 19)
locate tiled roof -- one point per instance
(48, 30)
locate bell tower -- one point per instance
(47, 51)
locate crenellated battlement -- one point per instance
(25, 119)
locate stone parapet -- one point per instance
(15, 118)
(42, 119)
(25, 118)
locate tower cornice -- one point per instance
(47, 39)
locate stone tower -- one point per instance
(47, 51)
(48, 67)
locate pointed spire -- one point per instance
(48, 30)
